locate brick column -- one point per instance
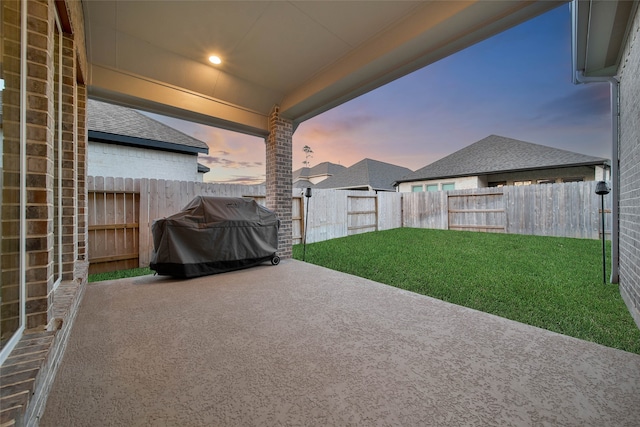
(82, 173)
(39, 150)
(279, 180)
(68, 167)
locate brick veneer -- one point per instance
(29, 370)
(629, 73)
(279, 177)
(81, 177)
(40, 166)
(27, 375)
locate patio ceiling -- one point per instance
(305, 56)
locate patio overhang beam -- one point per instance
(433, 32)
(115, 86)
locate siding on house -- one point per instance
(462, 183)
(585, 173)
(135, 162)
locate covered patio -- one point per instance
(299, 344)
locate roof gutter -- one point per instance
(505, 171)
(614, 86)
(131, 141)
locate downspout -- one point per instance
(615, 162)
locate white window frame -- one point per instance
(17, 334)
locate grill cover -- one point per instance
(213, 235)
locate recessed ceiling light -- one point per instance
(215, 59)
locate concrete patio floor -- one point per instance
(298, 344)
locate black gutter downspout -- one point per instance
(614, 85)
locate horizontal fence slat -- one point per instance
(113, 226)
(113, 258)
(475, 195)
(360, 212)
(476, 210)
(487, 227)
(361, 227)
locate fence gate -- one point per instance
(362, 214)
(297, 211)
(477, 212)
(114, 206)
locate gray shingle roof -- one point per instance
(303, 183)
(121, 125)
(324, 168)
(498, 154)
(366, 173)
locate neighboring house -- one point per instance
(497, 160)
(309, 177)
(368, 175)
(202, 169)
(126, 143)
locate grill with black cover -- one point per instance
(214, 235)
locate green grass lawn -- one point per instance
(550, 282)
(112, 275)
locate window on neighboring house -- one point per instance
(498, 184)
(522, 182)
(574, 179)
(448, 186)
(432, 187)
(546, 181)
(416, 188)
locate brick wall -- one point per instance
(629, 73)
(68, 166)
(81, 165)
(41, 158)
(40, 166)
(279, 177)
(45, 161)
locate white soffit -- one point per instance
(602, 27)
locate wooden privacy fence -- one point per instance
(113, 220)
(121, 212)
(563, 210)
(477, 212)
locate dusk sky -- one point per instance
(517, 84)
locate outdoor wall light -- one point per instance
(602, 189)
(307, 194)
(215, 60)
